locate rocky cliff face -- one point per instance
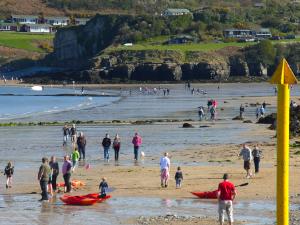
(80, 49)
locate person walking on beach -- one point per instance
(103, 186)
(262, 111)
(43, 177)
(246, 153)
(201, 113)
(178, 177)
(226, 195)
(256, 153)
(116, 146)
(257, 112)
(9, 171)
(212, 113)
(66, 171)
(137, 142)
(164, 170)
(66, 133)
(55, 171)
(81, 143)
(106, 142)
(242, 110)
(75, 158)
(73, 133)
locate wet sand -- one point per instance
(203, 166)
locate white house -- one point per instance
(24, 19)
(37, 28)
(81, 21)
(8, 27)
(57, 21)
(263, 33)
(175, 12)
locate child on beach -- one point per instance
(103, 186)
(75, 158)
(178, 177)
(9, 171)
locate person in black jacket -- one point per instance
(178, 177)
(106, 142)
(81, 143)
(9, 171)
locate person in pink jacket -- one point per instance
(137, 142)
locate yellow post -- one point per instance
(283, 118)
(283, 77)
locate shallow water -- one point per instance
(27, 210)
(27, 145)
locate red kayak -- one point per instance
(78, 200)
(88, 199)
(96, 195)
(207, 194)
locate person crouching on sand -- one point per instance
(9, 171)
(103, 186)
(165, 170)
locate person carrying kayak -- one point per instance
(103, 186)
(137, 142)
(106, 142)
(164, 170)
(226, 195)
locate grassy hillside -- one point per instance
(25, 41)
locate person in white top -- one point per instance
(165, 170)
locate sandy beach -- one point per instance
(204, 155)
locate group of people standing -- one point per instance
(249, 155)
(79, 144)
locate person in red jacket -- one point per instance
(226, 194)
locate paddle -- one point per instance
(242, 185)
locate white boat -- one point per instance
(37, 88)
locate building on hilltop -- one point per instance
(37, 28)
(263, 33)
(238, 33)
(57, 21)
(9, 27)
(24, 19)
(175, 12)
(81, 21)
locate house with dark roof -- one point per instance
(57, 21)
(24, 19)
(9, 27)
(175, 12)
(263, 33)
(37, 28)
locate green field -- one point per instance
(25, 41)
(204, 46)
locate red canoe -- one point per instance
(88, 199)
(207, 194)
(78, 200)
(96, 195)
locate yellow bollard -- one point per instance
(283, 77)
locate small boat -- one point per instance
(37, 88)
(78, 200)
(206, 194)
(88, 199)
(96, 196)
